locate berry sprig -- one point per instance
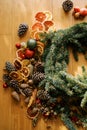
(79, 13)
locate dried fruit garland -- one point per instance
(40, 74)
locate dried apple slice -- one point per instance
(40, 16)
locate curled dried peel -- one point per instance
(33, 98)
(30, 106)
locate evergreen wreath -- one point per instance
(72, 91)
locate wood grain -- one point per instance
(12, 13)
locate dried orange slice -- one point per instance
(48, 24)
(38, 26)
(20, 54)
(32, 33)
(40, 49)
(40, 43)
(25, 71)
(14, 75)
(48, 15)
(40, 16)
(25, 62)
(17, 64)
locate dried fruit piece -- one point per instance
(37, 35)
(32, 112)
(40, 49)
(25, 62)
(25, 71)
(38, 26)
(48, 15)
(15, 95)
(18, 64)
(14, 75)
(48, 24)
(20, 54)
(40, 16)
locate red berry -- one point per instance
(38, 101)
(29, 53)
(5, 85)
(18, 45)
(83, 12)
(22, 56)
(76, 9)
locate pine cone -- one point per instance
(6, 78)
(9, 67)
(39, 66)
(67, 5)
(15, 85)
(43, 95)
(22, 29)
(38, 77)
(27, 92)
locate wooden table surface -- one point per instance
(12, 13)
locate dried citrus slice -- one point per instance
(40, 43)
(25, 71)
(20, 54)
(37, 35)
(18, 64)
(48, 24)
(40, 49)
(38, 26)
(14, 75)
(48, 15)
(32, 33)
(25, 62)
(40, 16)
(32, 112)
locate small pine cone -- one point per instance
(15, 85)
(6, 78)
(43, 95)
(22, 29)
(27, 92)
(37, 77)
(39, 66)
(9, 67)
(67, 5)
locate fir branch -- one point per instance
(67, 122)
(84, 100)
